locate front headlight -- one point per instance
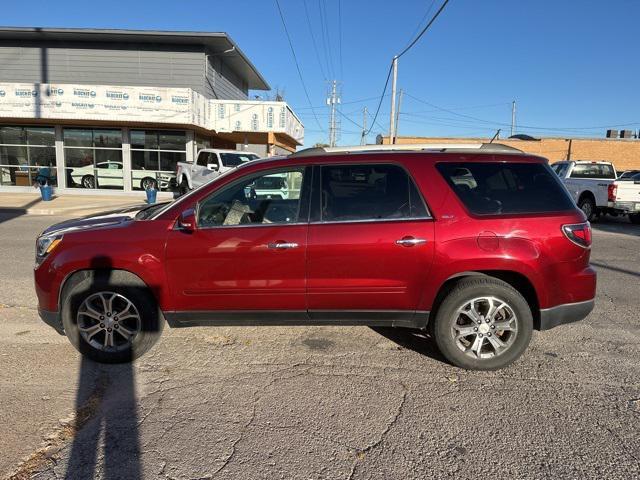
(46, 244)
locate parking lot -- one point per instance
(322, 402)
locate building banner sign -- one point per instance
(95, 102)
(146, 104)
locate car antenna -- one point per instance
(496, 135)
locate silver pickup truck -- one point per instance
(210, 162)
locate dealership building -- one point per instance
(106, 110)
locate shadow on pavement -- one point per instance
(619, 225)
(615, 269)
(416, 340)
(9, 213)
(106, 441)
(106, 414)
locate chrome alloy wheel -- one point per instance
(484, 327)
(108, 321)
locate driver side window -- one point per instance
(257, 199)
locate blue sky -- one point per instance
(569, 65)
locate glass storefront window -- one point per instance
(93, 158)
(27, 156)
(154, 158)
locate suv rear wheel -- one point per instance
(483, 324)
(110, 323)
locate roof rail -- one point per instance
(416, 147)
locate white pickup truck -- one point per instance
(588, 183)
(210, 162)
(624, 197)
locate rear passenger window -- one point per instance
(490, 188)
(369, 192)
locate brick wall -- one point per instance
(624, 154)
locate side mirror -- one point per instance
(187, 220)
(213, 167)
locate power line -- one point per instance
(313, 39)
(529, 127)
(340, 35)
(361, 100)
(325, 38)
(384, 90)
(295, 59)
(424, 17)
(415, 40)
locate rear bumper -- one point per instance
(52, 319)
(625, 207)
(566, 313)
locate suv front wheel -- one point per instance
(110, 322)
(483, 324)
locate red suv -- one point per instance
(479, 245)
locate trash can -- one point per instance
(151, 195)
(46, 191)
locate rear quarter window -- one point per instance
(498, 188)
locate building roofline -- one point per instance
(210, 40)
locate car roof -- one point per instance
(405, 148)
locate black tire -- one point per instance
(184, 187)
(88, 181)
(588, 206)
(634, 218)
(151, 321)
(447, 316)
(148, 182)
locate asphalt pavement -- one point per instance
(321, 402)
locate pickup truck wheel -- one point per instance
(635, 218)
(184, 187)
(111, 323)
(588, 206)
(483, 324)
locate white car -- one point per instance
(209, 164)
(588, 183)
(110, 174)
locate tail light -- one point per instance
(612, 191)
(578, 233)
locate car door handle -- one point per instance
(283, 245)
(410, 241)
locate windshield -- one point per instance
(235, 159)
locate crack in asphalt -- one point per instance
(361, 454)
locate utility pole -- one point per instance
(395, 132)
(333, 100)
(513, 118)
(392, 119)
(363, 139)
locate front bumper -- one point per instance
(52, 319)
(566, 313)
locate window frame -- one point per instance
(316, 205)
(303, 206)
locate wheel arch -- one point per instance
(119, 276)
(516, 279)
(587, 194)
